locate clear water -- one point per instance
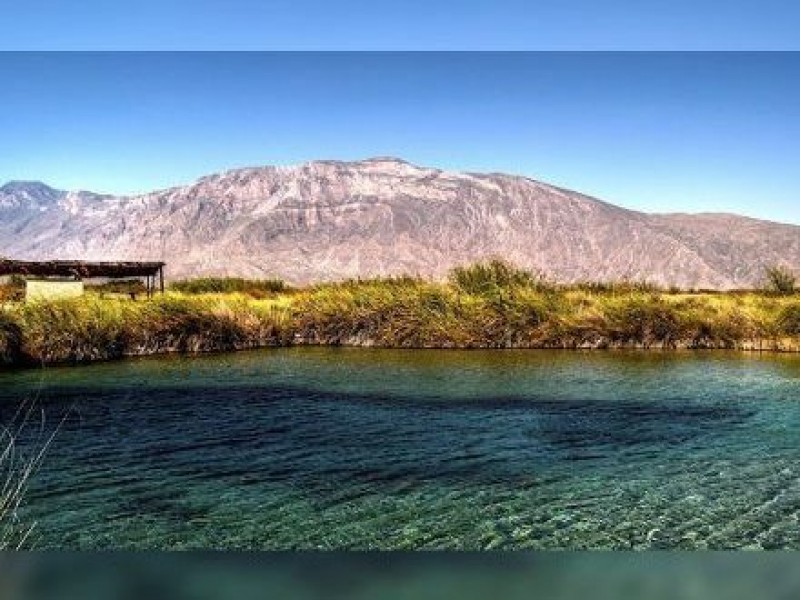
(361, 449)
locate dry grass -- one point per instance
(18, 463)
(256, 288)
(94, 328)
(492, 305)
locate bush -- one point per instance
(10, 338)
(644, 320)
(621, 287)
(388, 312)
(488, 305)
(780, 280)
(491, 278)
(201, 325)
(13, 290)
(412, 313)
(256, 288)
(92, 328)
(120, 286)
(512, 320)
(710, 325)
(72, 330)
(789, 320)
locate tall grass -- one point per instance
(494, 277)
(119, 286)
(500, 309)
(10, 338)
(780, 280)
(788, 320)
(496, 305)
(13, 290)
(489, 305)
(257, 288)
(18, 464)
(92, 328)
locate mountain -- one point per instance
(33, 195)
(327, 220)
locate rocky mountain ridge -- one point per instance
(328, 220)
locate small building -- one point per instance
(65, 278)
(50, 289)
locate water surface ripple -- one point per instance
(361, 449)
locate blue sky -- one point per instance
(400, 24)
(651, 131)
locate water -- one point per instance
(362, 449)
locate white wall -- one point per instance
(47, 290)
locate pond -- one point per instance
(324, 448)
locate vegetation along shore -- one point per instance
(486, 305)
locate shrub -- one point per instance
(490, 278)
(120, 286)
(623, 286)
(92, 328)
(227, 285)
(512, 320)
(12, 290)
(200, 325)
(780, 280)
(487, 305)
(710, 325)
(10, 338)
(72, 330)
(788, 320)
(644, 320)
(412, 313)
(387, 312)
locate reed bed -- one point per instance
(490, 305)
(94, 328)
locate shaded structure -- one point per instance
(78, 270)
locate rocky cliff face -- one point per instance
(329, 220)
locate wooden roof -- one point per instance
(79, 268)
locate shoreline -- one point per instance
(491, 306)
(751, 347)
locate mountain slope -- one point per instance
(329, 220)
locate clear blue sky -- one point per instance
(400, 24)
(651, 131)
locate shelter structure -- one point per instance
(65, 277)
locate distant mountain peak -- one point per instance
(386, 159)
(28, 194)
(382, 216)
(360, 161)
(23, 186)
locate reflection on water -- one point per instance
(345, 448)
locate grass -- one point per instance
(18, 463)
(119, 286)
(489, 305)
(94, 328)
(12, 290)
(256, 288)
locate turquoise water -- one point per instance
(359, 449)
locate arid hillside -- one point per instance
(328, 220)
